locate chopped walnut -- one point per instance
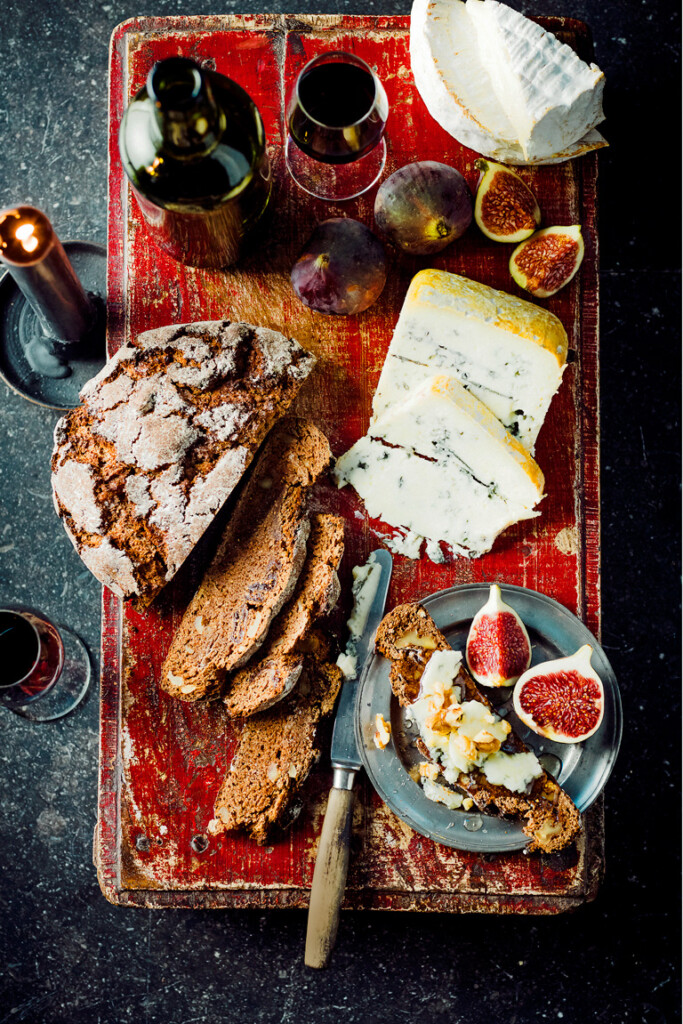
(437, 722)
(382, 732)
(486, 742)
(453, 715)
(466, 746)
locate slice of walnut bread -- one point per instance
(275, 754)
(408, 637)
(162, 437)
(256, 566)
(273, 671)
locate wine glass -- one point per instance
(44, 670)
(336, 115)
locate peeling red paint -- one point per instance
(162, 762)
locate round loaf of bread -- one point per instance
(162, 437)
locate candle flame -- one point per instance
(26, 233)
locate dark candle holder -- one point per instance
(52, 311)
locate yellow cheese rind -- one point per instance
(445, 386)
(498, 308)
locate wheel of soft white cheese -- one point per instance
(501, 84)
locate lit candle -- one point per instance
(35, 258)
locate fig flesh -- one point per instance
(423, 207)
(563, 700)
(498, 648)
(505, 208)
(342, 269)
(548, 260)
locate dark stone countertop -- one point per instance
(70, 956)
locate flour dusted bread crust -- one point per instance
(276, 751)
(272, 673)
(256, 566)
(163, 435)
(408, 637)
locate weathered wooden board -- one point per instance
(162, 762)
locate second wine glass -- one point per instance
(336, 115)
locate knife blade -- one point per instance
(344, 750)
(332, 861)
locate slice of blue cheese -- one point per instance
(506, 351)
(441, 465)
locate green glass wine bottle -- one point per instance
(193, 146)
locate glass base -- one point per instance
(69, 690)
(335, 182)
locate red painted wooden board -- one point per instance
(162, 762)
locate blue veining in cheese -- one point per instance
(453, 472)
(506, 351)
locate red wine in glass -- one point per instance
(336, 116)
(44, 671)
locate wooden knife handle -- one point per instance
(329, 878)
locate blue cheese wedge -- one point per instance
(441, 465)
(506, 351)
(482, 77)
(444, 422)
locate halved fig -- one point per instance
(548, 260)
(498, 648)
(562, 700)
(505, 208)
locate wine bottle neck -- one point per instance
(190, 121)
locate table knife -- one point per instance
(332, 861)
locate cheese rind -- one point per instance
(508, 352)
(457, 87)
(549, 94)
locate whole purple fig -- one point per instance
(342, 269)
(423, 207)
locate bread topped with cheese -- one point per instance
(508, 352)
(469, 746)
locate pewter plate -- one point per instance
(581, 768)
